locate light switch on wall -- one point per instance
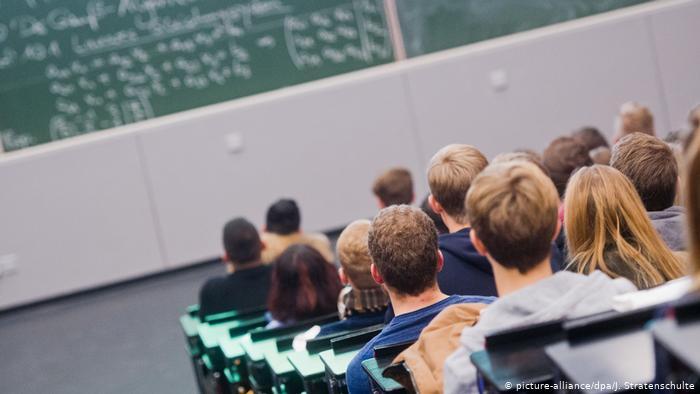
(234, 142)
(499, 80)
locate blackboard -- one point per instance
(69, 67)
(433, 25)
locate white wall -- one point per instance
(152, 196)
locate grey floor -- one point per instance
(118, 340)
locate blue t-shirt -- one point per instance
(353, 322)
(402, 328)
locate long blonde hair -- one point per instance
(692, 196)
(607, 229)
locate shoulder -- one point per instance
(213, 284)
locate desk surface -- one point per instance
(500, 368)
(231, 347)
(683, 341)
(211, 334)
(375, 371)
(337, 363)
(622, 358)
(307, 365)
(189, 325)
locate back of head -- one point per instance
(634, 118)
(693, 202)
(694, 118)
(241, 241)
(513, 210)
(403, 244)
(562, 157)
(651, 166)
(607, 228)
(394, 187)
(591, 137)
(450, 174)
(283, 217)
(303, 285)
(353, 254)
(524, 155)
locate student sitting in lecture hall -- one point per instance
(283, 228)
(363, 301)
(608, 229)
(633, 118)
(304, 286)
(394, 187)
(248, 281)
(450, 174)
(513, 209)
(652, 167)
(402, 241)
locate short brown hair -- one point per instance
(394, 187)
(403, 244)
(450, 173)
(562, 157)
(591, 137)
(353, 254)
(514, 211)
(651, 166)
(634, 118)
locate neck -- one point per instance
(233, 267)
(406, 303)
(511, 280)
(452, 225)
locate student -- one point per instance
(394, 187)
(303, 286)
(282, 229)
(513, 210)
(403, 244)
(607, 229)
(362, 302)
(652, 167)
(562, 157)
(597, 145)
(633, 118)
(450, 174)
(246, 286)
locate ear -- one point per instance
(557, 231)
(413, 198)
(263, 245)
(380, 203)
(440, 261)
(225, 258)
(434, 205)
(343, 278)
(376, 275)
(478, 245)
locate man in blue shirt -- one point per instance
(403, 244)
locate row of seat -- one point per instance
(233, 353)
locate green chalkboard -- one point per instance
(433, 25)
(69, 67)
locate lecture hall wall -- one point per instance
(120, 204)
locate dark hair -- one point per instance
(304, 285)
(651, 166)
(241, 241)
(591, 137)
(562, 157)
(402, 241)
(437, 220)
(283, 217)
(394, 187)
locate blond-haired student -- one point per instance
(513, 209)
(607, 229)
(450, 175)
(363, 302)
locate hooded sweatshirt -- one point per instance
(564, 295)
(465, 271)
(670, 224)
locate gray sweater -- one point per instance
(670, 224)
(564, 295)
